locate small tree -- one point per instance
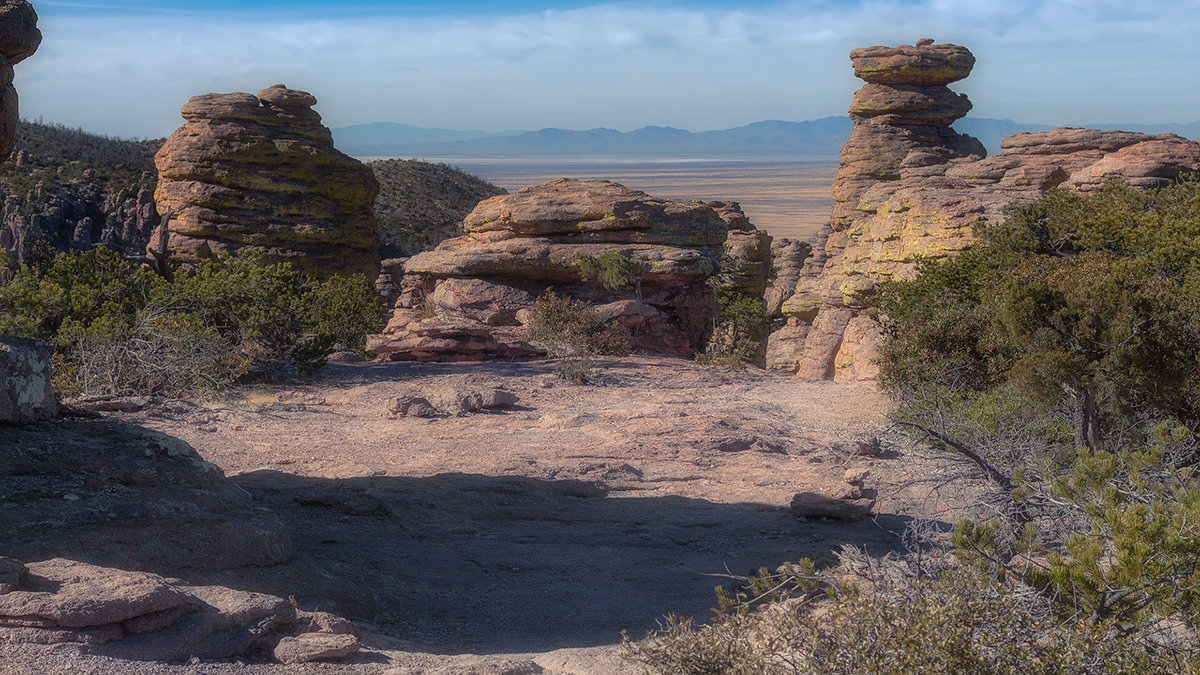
(615, 271)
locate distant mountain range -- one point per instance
(768, 139)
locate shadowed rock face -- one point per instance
(261, 171)
(909, 186)
(19, 39)
(464, 299)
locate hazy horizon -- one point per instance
(124, 67)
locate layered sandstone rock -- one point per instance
(910, 187)
(467, 298)
(746, 262)
(19, 39)
(260, 171)
(141, 616)
(26, 393)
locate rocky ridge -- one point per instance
(261, 171)
(467, 298)
(910, 187)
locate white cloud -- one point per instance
(619, 65)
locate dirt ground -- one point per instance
(528, 539)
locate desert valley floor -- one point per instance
(526, 540)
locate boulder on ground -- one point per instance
(850, 505)
(26, 392)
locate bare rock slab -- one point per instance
(72, 594)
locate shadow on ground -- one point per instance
(453, 562)
(487, 564)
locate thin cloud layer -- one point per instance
(618, 65)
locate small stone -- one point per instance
(309, 647)
(855, 475)
(412, 406)
(868, 447)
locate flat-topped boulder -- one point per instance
(466, 298)
(598, 210)
(260, 172)
(923, 64)
(909, 187)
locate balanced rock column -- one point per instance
(909, 187)
(468, 298)
(19, 39)
(260, 172)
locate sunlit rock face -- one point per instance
(911, 187)
(260, 171)
(469, 297)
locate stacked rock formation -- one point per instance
(19, 39)
(260, 171)
(910, 187)
(467, 299)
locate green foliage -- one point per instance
(119, 328)
(343, 310)
(959, 621)
(740, 329)
(612, 270)
(573, 332)
(420, 203)
(1090, 297)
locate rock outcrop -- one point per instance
(466, 299)
(260, 171)
(115, 494)
(26, 393)
(910, 187)
(19, 39)
(144, 617)
(78, 215)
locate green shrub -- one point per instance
(741, 326)
(612, 270)
(573, 332)
(118, 328)
(958, 621)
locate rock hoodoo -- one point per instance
(260, 171)
(465, 299)
(911, 187)
(19, 39)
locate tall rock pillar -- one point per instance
(901, 133)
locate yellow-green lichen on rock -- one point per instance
(910, 188)
(261, 171)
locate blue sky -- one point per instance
(124, 67)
